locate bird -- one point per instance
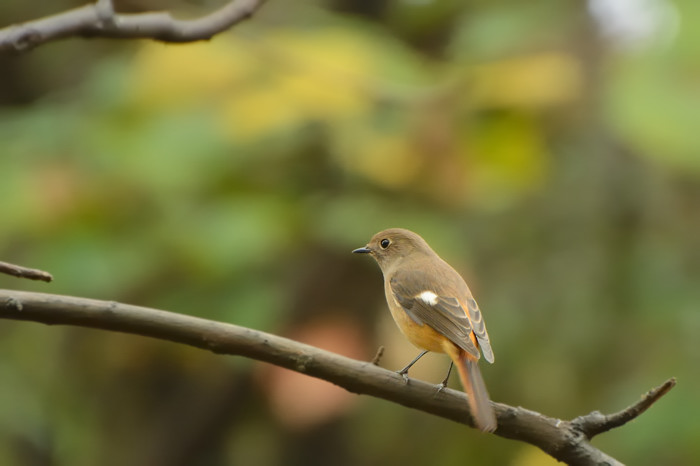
(434, 308)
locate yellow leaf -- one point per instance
(325, 72)
(317, 75)
(255, 113)
(180, 75)
(385, 158)
(532, 81)
(509, 157)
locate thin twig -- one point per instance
(561, 439)
(24, 272)
(100, 20)
(378, 356)
(596, 423)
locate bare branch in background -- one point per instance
(100, 20)
(567, 441)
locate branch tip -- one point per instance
(596, 423)
(25, 272)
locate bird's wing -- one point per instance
(479, 328)
(445, 314)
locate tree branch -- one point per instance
(24, 272)
(567, 441)
(100, 20)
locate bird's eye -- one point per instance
(384, 243)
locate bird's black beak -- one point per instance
(364, 250)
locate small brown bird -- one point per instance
(433, 307)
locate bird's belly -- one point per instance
(422, 336)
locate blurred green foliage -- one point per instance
(555, 167)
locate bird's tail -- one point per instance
(474, 386)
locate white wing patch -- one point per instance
(429, 298)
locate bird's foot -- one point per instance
(404, 374)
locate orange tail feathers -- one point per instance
(474, 386)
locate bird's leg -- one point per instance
(443, 384)
(404, 371)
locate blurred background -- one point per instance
(548, 149)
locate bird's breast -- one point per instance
(421, 335)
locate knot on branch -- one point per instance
(302, 362)
(23, 39)
(14, 303)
